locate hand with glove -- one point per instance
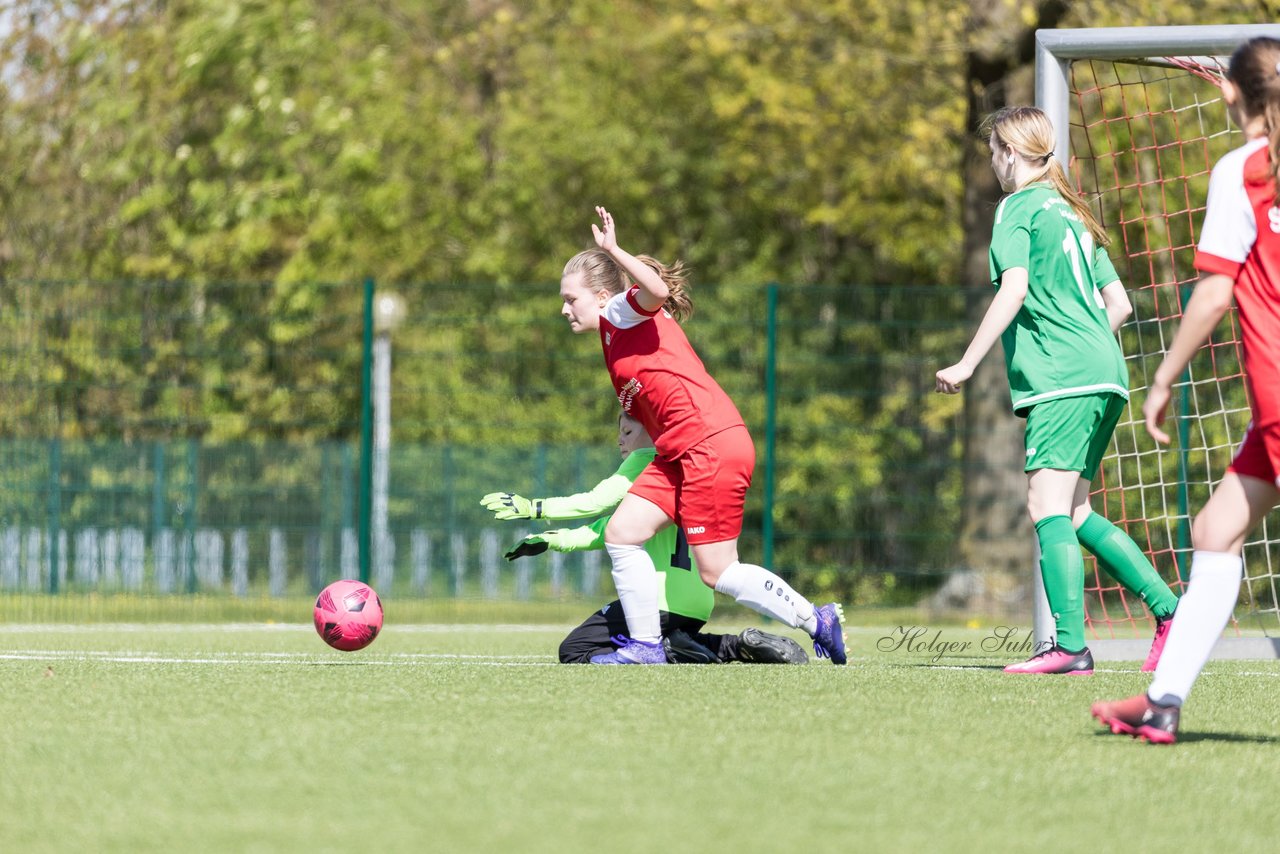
(508, 505)
(559, 539)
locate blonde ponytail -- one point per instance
(1273, 143)
(1058, 178)
(1028, 131)
(679, 304)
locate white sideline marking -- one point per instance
(1272, 675)
(992, 667)
(214, 628)
(131, 657)
(308, 659)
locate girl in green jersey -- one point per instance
(1057, 307)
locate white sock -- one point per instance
(637, 582)
(1203, 612)
(765, 593)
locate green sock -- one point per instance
(1062, 567)
(1125, 562)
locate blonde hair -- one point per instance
(1255, 71)
(1028, 131)
(601, 273)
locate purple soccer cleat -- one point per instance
(634, 652)
(828, 640)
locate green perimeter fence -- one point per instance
(205, 437)
(175, 438)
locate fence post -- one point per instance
(770, 417)
(55, 510)
(366, 437)
(451, 516)
(327, 504)
(1184, 434)
(189, 516)
(158, 515)
(347, 516)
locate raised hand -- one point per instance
(606, 235)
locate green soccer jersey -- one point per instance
(682, 590)
(1060, 344)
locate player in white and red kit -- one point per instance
(705, 456)
(1238, 255)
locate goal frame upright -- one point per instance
(1055, 52)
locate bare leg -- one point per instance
(1237, 505)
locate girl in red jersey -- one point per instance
(705, 459)
(1238, 255)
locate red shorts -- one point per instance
(1259, 454)
(705, 489)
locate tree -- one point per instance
(995, 537)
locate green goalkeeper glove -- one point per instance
(534, 544)
(560, 539)
(508, 505)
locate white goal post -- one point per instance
(1141, 173)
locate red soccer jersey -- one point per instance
(1241, 239)
(659, 378)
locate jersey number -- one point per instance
(680, 557)
(1073, 252)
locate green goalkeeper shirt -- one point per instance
(1060, 344)
(681, 590)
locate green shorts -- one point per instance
(1072, 433)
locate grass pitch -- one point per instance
(469, 738)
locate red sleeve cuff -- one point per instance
(635, 304)
(1207, 263)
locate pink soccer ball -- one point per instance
(348, 615)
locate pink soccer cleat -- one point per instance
(1055, 659)
(1140, 718)
(1157, 644)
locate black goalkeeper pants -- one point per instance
(595, 635)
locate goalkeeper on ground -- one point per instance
(684, 603)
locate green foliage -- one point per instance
(156, 152)
(304, 141)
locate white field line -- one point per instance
(239, 628)
(1270, 675)
(269, 658)
(306, 659)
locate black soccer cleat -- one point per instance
(757, 647)
(683, 649)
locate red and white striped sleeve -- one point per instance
(624, 311)
(1229, 229)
